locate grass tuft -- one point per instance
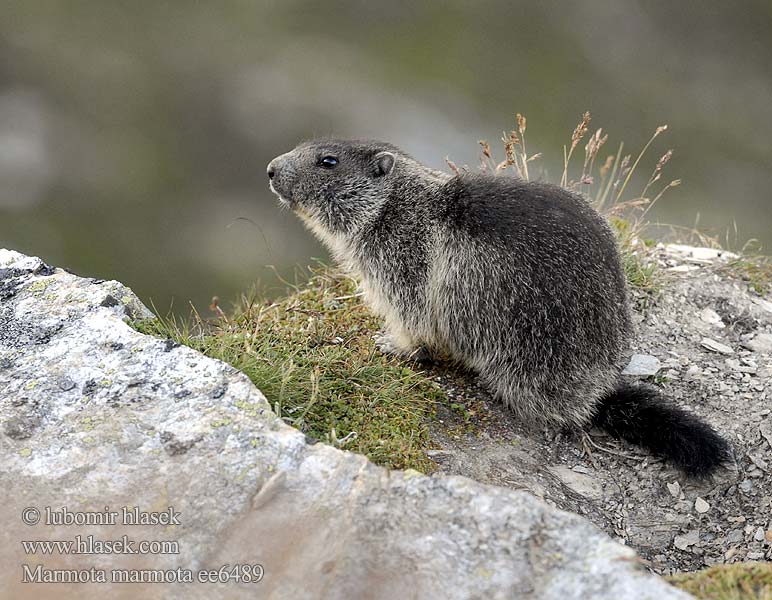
(312, 355)
(756, 270)
(748, 581)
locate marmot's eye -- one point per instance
(328, 162)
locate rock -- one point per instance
(765, 429)
(674, 489)
(761, 343)
(699, 254)
(708, 315)
(245, 487)
(705, 253)
(765, 305)
(736, 365)
(681, 249)
(715, 346)
(683, 268)
(693, 372)
(683, 542)
(642, 365)
(735, 536)
(759, 462)
(701, 506)
(578, 482)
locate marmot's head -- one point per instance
(335, 185)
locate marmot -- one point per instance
(520, 281)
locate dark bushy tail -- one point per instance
(639, 414)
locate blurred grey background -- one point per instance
(134, 135)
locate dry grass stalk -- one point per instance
(579, 132)
(613, 176)
(659, 130)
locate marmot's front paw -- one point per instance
(387, 344)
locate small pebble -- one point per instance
(682, 542)
(674, 489)
(642, 365)
(762, 343)
(710, 316)
(735, 536)
(701, 506)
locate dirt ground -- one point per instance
(712, 337)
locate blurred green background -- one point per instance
(134, 135)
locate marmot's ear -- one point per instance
(383, 163)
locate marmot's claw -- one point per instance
(386, 344)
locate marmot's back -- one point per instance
(537, 269)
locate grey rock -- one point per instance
(708, 315)
(715, 346)
(642, 365)
(674, 489)
(766, 430)
(683, 268)
(736, 365)
(699, 254)
(706, 253)
(735, 536)
(765, 305)
(578, 482)
(701, 506)
(247, 488)
(761, 343)
(683, 542)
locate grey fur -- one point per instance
(521, 282)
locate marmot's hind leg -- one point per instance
(531, 400)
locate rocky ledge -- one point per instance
(103, 426)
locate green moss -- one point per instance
(756, 270)
(747, 581)
(312, 355)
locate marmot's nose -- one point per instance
(276, 165)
